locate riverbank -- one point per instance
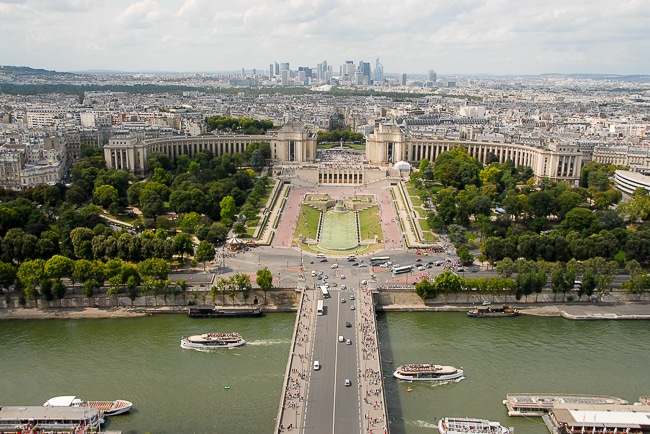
(573, 311)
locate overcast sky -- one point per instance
(412, 36)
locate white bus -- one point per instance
(325, 291)
(319, 310)
(376, 260)
(402, 270)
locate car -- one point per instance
(418, 260)
(430, 263)
(323, 260)
(316, 365)
(422, 268)
(325, 276)
(356, 264)
(334, 284)
(364, 282)
(334, 266)
(352, 307)
(348, 342)
(439, 263)
(343, 287)
(348, 324)
(487, 302)
(363, 265)
(319, 277)
(320, 272)
(341, 338)
(313, 273)
(347, 382)
(461, 270)
(343, 300)
(342, 276)
(351, 296)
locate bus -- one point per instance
(402, 270)
(325, 291)
(376, 260)
(319, 310)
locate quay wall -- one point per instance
(616, 305)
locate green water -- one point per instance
(339, 231)
(507, 355)
(176, 390)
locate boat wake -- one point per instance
(269, 342)
(442, 383)
(211, 350)
(423, 424)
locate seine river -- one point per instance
(184, 391)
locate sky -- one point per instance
(503, 37)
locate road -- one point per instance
(333, 407)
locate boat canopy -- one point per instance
(62, 401)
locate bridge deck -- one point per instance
(317, 412)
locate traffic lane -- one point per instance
(320, 408)
(347, 397)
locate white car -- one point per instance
(352, 307)
(351, 296)
(335, 265)
(313, 273)
(342, 276)
(343, 300)
(364, 282)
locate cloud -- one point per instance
(465, 36)
(140, 15)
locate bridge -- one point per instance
(345, 392)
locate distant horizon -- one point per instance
(261, 71)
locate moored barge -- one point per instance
(532, 404)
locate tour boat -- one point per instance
(49, 419)
(106, 408)
(493, 312)
(464, 425)
(427, 372)
(530, 404)
(208, 341)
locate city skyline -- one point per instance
(471, 37)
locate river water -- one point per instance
(184, 391)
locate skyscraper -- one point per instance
(379, 71)
(432, 76)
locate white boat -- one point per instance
(427, 372)
(209, 341)
(464, 425)
(106, 408)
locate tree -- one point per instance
(228, 207)
(425, 289)
(581, 220)
(465, 257)
(243, 284)
(7, 274)
(264, 280)
(151, 204)
(59, 266)
(204, 252)
(505, 268)
(448, 282)
(30, 273)
(59, 290)
(183, 244)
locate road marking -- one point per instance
(336, 358)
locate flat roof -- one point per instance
(622, 416)
(38, 412)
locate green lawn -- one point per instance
(307, 222)
(369, 223)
